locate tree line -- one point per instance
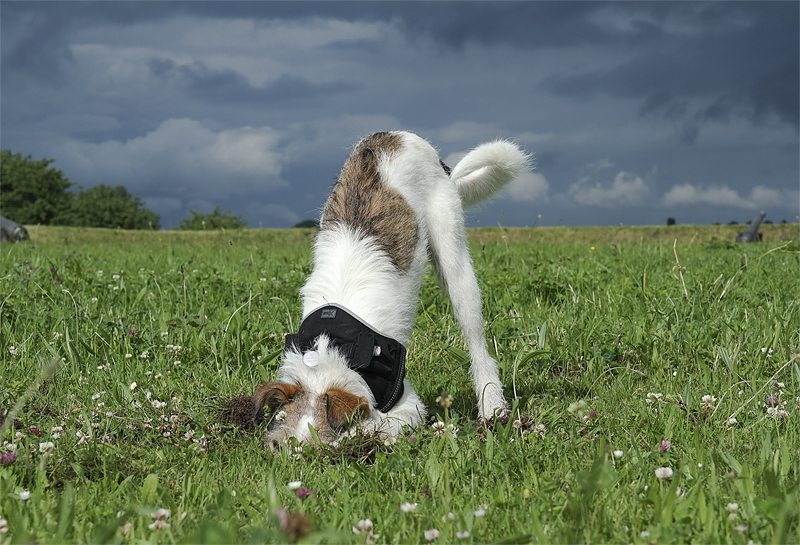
(33, 192)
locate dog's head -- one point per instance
(327, 396)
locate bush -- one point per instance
(211, 221)
(112, 207)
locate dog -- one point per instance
(395, 207)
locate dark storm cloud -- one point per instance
(172, 98)
(746, 68)
(229, 86)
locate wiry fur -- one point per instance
(393, 208)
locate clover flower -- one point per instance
(294, 485)
(664, 446)
(24, 495)
(431, 534)
(365, 527)
(408, 507)
(462, 535)
(46, 448)
(7, 458)
(444, 400)
(577, 407)
(707, 402)
(664, 472)
(3, 526)
(653, 396)
(539, 430)
(618, 454)
(303, 493)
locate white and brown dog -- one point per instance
(394, 207)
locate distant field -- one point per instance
(654, 374)
(683, 233)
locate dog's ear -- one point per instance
(273, 396)
(343, 408)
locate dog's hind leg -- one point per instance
(452, 262)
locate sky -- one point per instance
(635, 111)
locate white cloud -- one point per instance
(626, 189)
(760, 197)
(181, 158)
(528, 186)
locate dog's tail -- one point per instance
(487, 169)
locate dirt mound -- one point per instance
(240, 412)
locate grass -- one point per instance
(609, 341)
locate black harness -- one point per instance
(380, 360)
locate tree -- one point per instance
(212, 220)
(670, 221)
(112, 207)
(312, 224)
(31, 191)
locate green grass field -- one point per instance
(654, 371)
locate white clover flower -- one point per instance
(365, 525)
(389, 441)
(24, 495)
(732, 507)
(732, 421)
(664, 472)
(3, 526)
(408, 507)
(431, 534)
(577, 407)
(46, 448)
(707, 402)
(128, 356)
(480, 512)
(94, 299)
(539, 430)
(295, 485)
(280, 416)
(160, 514)
(158, 525)
(618, 454)
(13, 351)
(462, 535)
